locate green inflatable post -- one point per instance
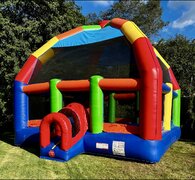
(177, 108)
(56, 101)
(96, 105)
(112, 108)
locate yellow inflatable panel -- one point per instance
(139, 29)
(46, 56)
(168, 108)
(131, 31)
(161, 58)
(45, 47)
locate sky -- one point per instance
(179, 14)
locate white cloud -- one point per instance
(182, 23)
(165, 29)
(188, 16)
(103, 3)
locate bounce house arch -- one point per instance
(155, 89)
(65, 127)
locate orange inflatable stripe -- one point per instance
(84, 85)
(77, 85)
(119, 84)
(36, 88)
(126, 96)
(34, 123)
(69, 33)
(121, 128)
(117, 22)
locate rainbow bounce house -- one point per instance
(98, 89)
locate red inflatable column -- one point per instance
(151, 89)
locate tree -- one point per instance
(92, 18)
(180, 54)
(25, 26)
(146, 14)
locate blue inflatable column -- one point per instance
(21, 111)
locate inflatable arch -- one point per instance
(154, 88)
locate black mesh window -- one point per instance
(111, 59)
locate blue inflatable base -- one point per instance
(61, 155)
(27, 136)
(126, 146)
(130, 146)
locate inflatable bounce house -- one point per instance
(98, 89)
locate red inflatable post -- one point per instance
(32, 65)
(173, 80)
(150, 90)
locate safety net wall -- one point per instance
(111, 59)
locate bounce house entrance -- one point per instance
(69, 126)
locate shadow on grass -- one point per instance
(8, 137)
(120, 158)
(34, 150)
(188, 141)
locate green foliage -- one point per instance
(146, 15)
(25, 26)
(92, 18)
(180, 54)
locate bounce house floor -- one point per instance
(120, 128)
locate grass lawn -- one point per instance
(18, 163)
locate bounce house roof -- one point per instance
(91, 34)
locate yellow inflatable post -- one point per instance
(167, 108)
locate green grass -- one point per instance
(18, 163)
